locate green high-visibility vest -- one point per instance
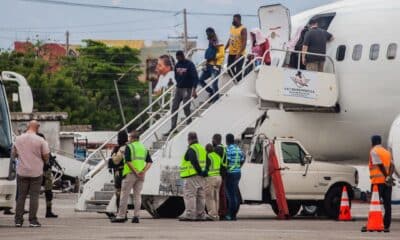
(215, 165)
(223, 157)
(138, 157)
(186, 168)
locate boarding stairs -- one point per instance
(238, 111)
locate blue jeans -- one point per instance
(232, 192)
(210, 72)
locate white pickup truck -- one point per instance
(306, 182)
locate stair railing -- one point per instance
(195, 111)
(138, 116)
(155, 129)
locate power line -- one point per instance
(133, 9)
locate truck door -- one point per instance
(297, 184)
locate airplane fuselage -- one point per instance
(369, 88)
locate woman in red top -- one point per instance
(259, 45)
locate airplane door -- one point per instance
(275, 22)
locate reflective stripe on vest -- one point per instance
(223, 157)
(236, 162)
(186, 168)
(375, 174)
(215, 164)
(235, 41)
(138, 154)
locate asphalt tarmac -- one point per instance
(254, 222)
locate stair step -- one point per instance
(103, 195)
(152, 151)
(158, 144)
(95, 208)
(108, 187)
(98, 202)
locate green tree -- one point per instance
(83, 86)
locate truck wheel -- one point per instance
(173, 207)
(293, 206)
(332, 202)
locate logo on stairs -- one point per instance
(299, 84)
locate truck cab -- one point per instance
(306, 181)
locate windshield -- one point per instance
(5, 130)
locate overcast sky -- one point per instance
(20, 20)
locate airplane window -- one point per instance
(374, 52)
(392, 51)
(341, 53)
(357, 52)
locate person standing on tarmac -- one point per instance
(220, 149)
(213, 181)
(192, 171)
(48, 184)
(381, 170)
(116, 164)
(137, 162)
(235, 160)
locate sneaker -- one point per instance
(135, 220)
(167, 133)
(35, 224)
(118, 220)
(18, 224)
(51, 215)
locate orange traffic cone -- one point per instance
(345, 213)
(375, 217)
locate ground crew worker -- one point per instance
(381, 170)
(192, 170)
(235, 160)
(137, 162)
(220, 149)
(48, 183)
(213, 181)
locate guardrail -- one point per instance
(232, 80)
(190, 101)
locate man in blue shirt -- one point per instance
(235, 160)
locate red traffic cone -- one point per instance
(375, 216)
(345, 213)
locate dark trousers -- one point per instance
(235, 69)
(385, 193)
(223, 208)
(212, 72)
(181, 95)
(31, 186)
(232, 191)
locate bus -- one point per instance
(7, 163)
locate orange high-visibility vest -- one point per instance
(375, 174)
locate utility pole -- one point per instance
(67, 42)
(184, 37)
(185, 31)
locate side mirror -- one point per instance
(307, 159)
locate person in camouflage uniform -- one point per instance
(48, 184)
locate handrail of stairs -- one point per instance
(138, 116)
(232, 80)
(300, 54)
(190, 101)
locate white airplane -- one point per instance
(365, 55)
